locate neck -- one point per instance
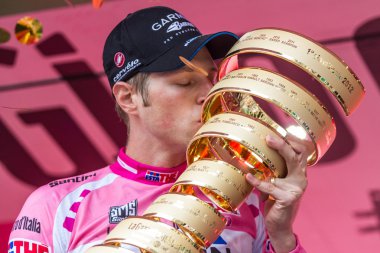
(154, 152)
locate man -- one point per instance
(159, 97)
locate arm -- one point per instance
(280, 210)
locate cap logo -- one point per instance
(119, 59)
(176, 26)
(131, 65)
(165, 20)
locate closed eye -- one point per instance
(184, 84)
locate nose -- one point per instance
(204, 90)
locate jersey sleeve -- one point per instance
(32, 230)
(298, 249)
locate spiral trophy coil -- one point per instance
(231, 142)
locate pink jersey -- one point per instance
(72, 214)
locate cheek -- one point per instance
(167, 112)
(161, 118)
(171, 121)
(172, 111)
(167, 121)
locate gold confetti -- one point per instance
(28, 30)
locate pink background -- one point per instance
(60, 81)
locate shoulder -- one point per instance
(51, 194)
(51, 204)
(57, 189)
(45, 201)
(61, 187)
(69, 183)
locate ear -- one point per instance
(123, 93)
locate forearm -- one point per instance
(281, 236)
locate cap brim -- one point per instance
(218, 45)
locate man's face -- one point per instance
(175, 102)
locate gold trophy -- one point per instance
(231, 142)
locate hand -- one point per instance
(280, 210)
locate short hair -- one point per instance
(140, 83)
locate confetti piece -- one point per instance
(4, 36)
(97, 3)
(28, 30)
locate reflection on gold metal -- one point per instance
(151, 235)
(28, 30)
(222, 183)
(4, 36)
(197, 219)
(237, 102)
(325, 66)
(286, 94)
(108, 248)
(230, 151)
(240, 141)
(297, 131)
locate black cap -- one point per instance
(152, 39)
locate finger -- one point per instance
(292, 159)
(296, 185)
(277, 143)
(285, 196)
(263, 186)
(300, 145)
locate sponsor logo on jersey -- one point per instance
(119, 213)
(76, 179)
(26, 223)
(27, 246)
(160, 177)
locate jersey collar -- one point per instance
(127, 167)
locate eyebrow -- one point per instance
(194, 67)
